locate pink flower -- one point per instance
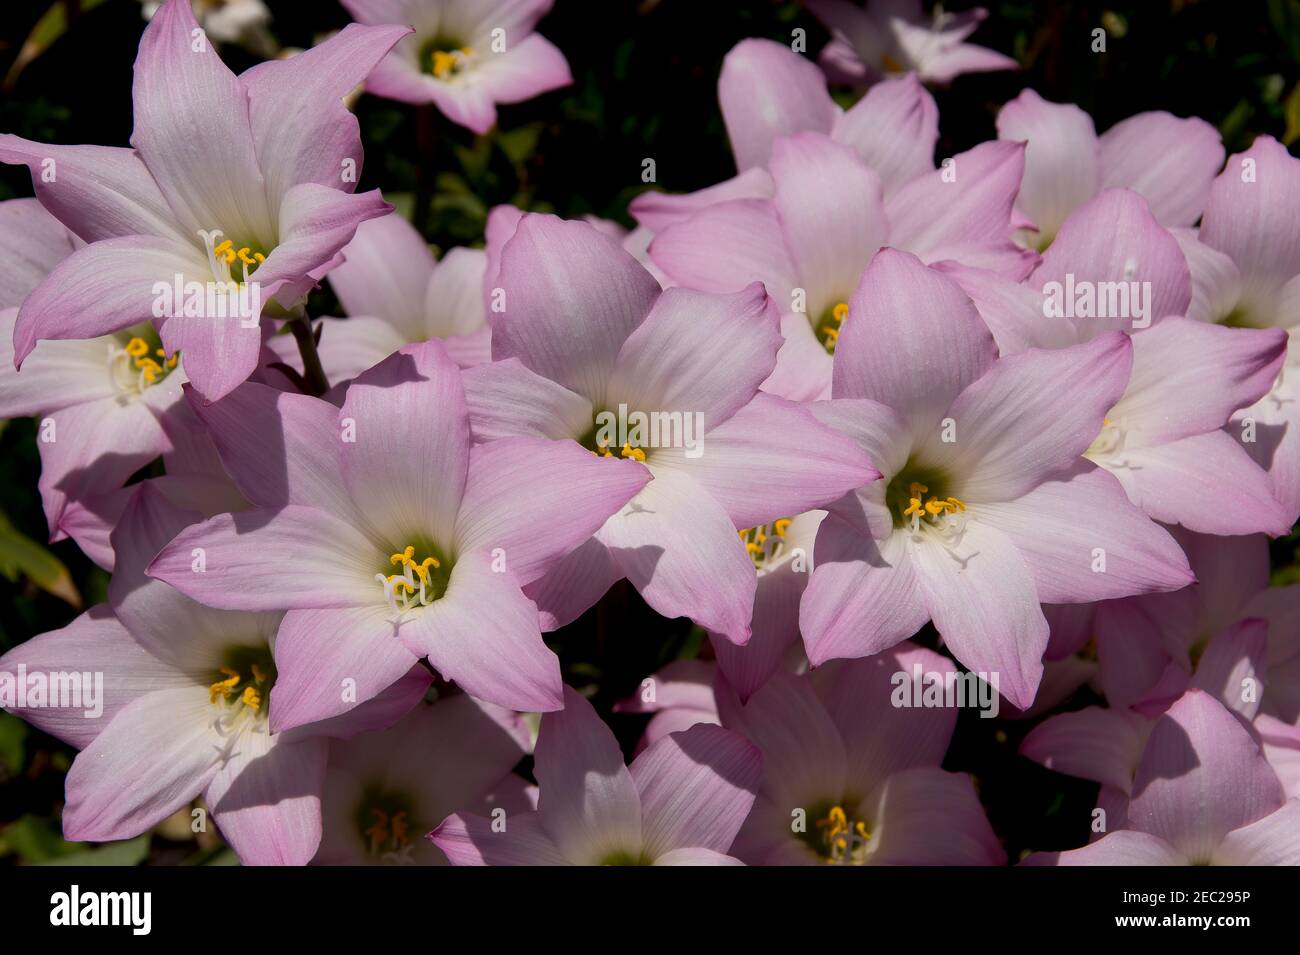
(395, 294)
(387, 537)
(810, 243)
(1203, 795)
(185, 710)
(259, 166)
(586, 331)
(383, 791)
(679, 695)
(893, 36)
(985, 510)
(849, 778)
(767, 91)
(1246, 273)
(1188, 379)
(1168, 161)
(681, 801)
(465, 56)
(1151, 647)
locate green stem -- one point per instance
(313, 372)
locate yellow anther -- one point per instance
(752, 548)
(224, 688)
(781, 526)
(840, 312)
(252, 698)
(422, 569)
(224, 248)
(443, 63)
(917, 489)
(137, 348)
(397, 580)
(914, 507)
(404, 557)
(935, 507)
(955, 505)
(635, 453)
(246, 257)
(258, 675)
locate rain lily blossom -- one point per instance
(1203, 795)
(465, 56)
(1151, 646)
(1167, 160)
(985, 509)
(395, 294)
(235, 182)
(680, 802)
(768, 91)
(1189, 378)
(894, 36)
(851, 779)
(587, 336)
(810, 243)
(185, 710)
(100, 402)
(1246, 271)
(383, 791)
(403, 539)
(677, 696)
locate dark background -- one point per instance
(645, 86)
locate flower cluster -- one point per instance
(897, 433)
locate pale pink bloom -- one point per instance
(680, 802)
(894, 36)
(186, 710)
(261, 164)
(1168, 161)
(1203, 794)
(585, 331)
(387, 537)
(1246, 273)
(1189, 378)
(383, 791)
(986, 509)
(768, 91)
(850, 778)
(465, 56)
(810, 243)
(678, 696)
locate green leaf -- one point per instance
(20, 554)
(35, 839)
(52, 25)
(128, 852)
(13, 734)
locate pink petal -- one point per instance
(534, 500)
(894, 128)
(385, 273)
(696, 788)
(507, 400)
(572, 298)
(1095, 743)
(1169, 161)
(925, 816)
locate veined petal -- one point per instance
(1169, 161)
(507, 400)
(894, 128)
(766, 91)
(385, 273)
(533, 501)
(32, 243)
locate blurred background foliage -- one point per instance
(645, 79)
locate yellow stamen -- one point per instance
(781, 526)
(137, 348)
(635, 453)
(404, 557)
(252, 698)
(840, 312)
(225, 687)
(422, 569)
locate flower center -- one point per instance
(140, 362)
(445, 57)
(838, 838)
(624, 857)
(765, 543)
(827, 328)
(227, 259)
(599, 441)
(385, 820)
(918, 502)
(419, 581)
(241, 690)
